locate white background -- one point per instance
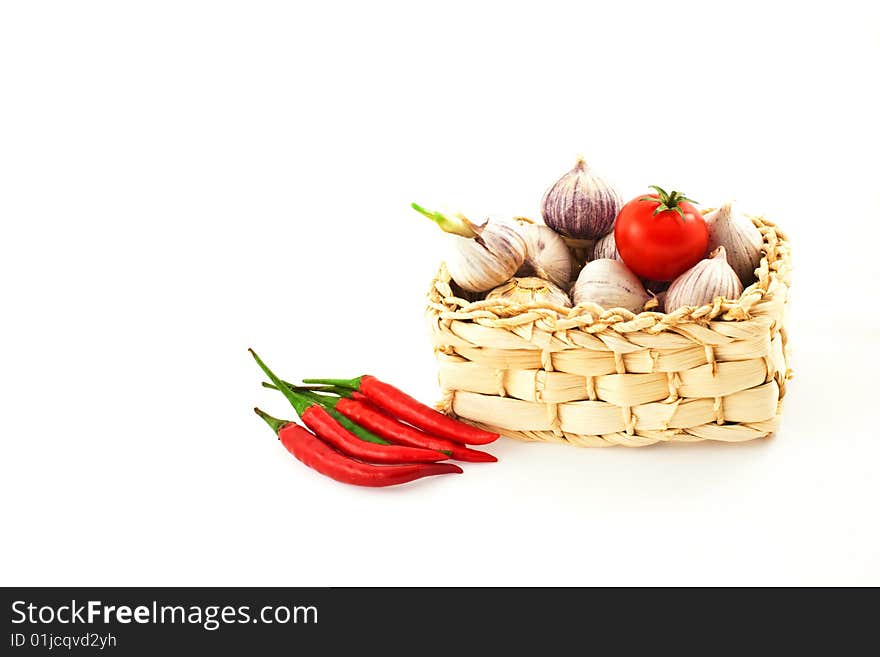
(181, 180)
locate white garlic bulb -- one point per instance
(481, 263)
(740, 238)
(531, 290)
(610, 284)
(481, 256)
(547, 255)
(606, 248)
(704, 282)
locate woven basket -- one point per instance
(592, 377)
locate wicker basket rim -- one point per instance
(773, 274)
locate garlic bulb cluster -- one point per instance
(547, 255)
(606, 248)
(531, 290)
(741, 239)
(610, 284)
(481, 256)
(704, 282)
(580, 204)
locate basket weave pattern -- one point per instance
(593, 377)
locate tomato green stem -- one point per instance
(667, 200)
(273, 422)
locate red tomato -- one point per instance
(660, 236)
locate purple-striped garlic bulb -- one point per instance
(580, 204)
(606, 248)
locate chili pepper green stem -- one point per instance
(273, 422)
(332, 390)
(312, 396)
(351, 384)
(339, 391)
(326, 401)
(298, 401)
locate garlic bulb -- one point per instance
(606, 248)
(580, 204)
(741, 239)
(610, 284)
(531, 290)
(481, 257)
(547, 255)
(704, 282)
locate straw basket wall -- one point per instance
(592, 377)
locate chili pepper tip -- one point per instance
(475, 456)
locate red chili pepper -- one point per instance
(359, 431)
(339, 391)
(319, 456)
(309, 391)
(375, 420)
(328, 429)
(401, 405)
